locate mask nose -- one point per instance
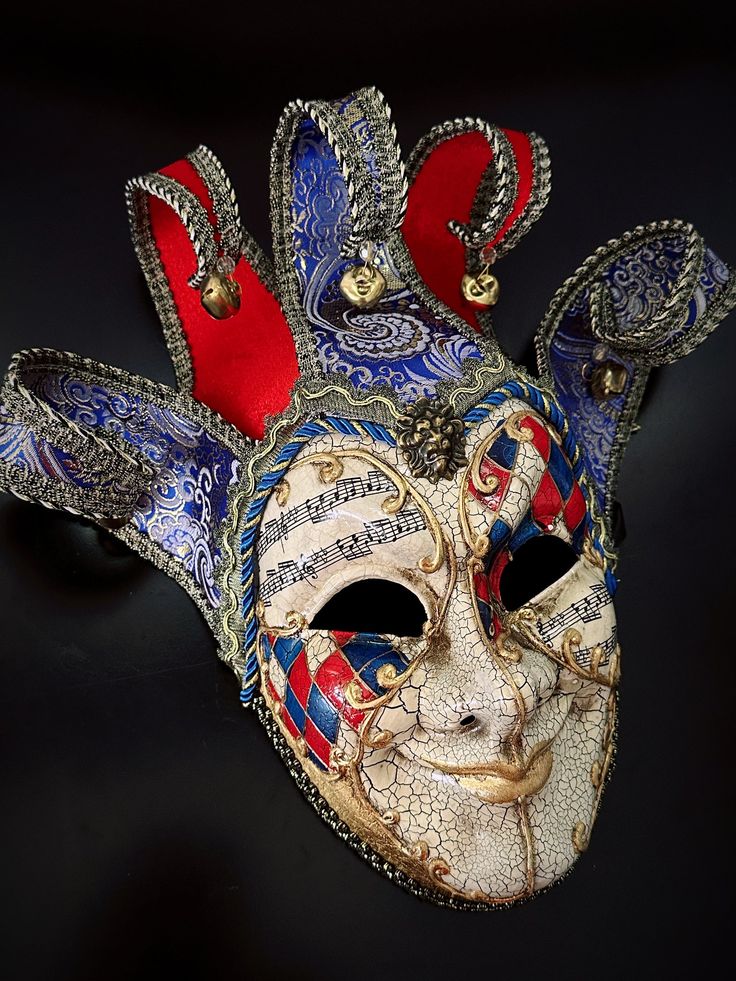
(461, 716)
(466, 689)
(470, 691)
(467, 692)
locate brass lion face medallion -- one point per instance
(431, 440)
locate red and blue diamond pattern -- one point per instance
(314, 706)
(558, 494)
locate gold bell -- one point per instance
(482, 290)
(221, 295)
(608, 379)
(363, 285)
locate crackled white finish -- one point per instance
(525, 703)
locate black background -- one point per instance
(146, 825)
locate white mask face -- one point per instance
(442, 656)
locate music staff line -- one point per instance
(356, 546)
(317, 509)
(586, 609)
(583, 654)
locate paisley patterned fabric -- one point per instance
(188, 498)
(640, 281)
(400, 342)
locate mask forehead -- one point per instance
(350, 508)
(347, 509)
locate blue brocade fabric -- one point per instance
(188, 498)
(594, 422)
(399, 342)
(21, 447)
(639, 284)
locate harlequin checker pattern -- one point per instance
(487, 616)
(557, 498)
(314, 705)
(557, 495)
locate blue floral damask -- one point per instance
(188, 498)
(640, 281)
(21, 447)
(399, 342)
(594, 422)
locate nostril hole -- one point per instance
(467, 720)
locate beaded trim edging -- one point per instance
(233, 243)
(379, 224)
(497, 189)
(116, 459)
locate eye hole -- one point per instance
(373, 606)
(535, 565)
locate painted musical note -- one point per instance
(587, 609)
(320, 508)
(356, 546)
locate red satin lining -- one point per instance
(244, 367)
(445, 188)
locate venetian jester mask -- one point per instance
(403, 542)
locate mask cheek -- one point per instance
(396, 722)
(314, 682)
(576, 622)
(305, 677)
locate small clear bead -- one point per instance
(225, 265)
(600, 352)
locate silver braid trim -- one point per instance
(191, 213)
(497, 190)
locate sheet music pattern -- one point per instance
(319, 508)
(586, 609)
(582, 655)
(356, 546)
